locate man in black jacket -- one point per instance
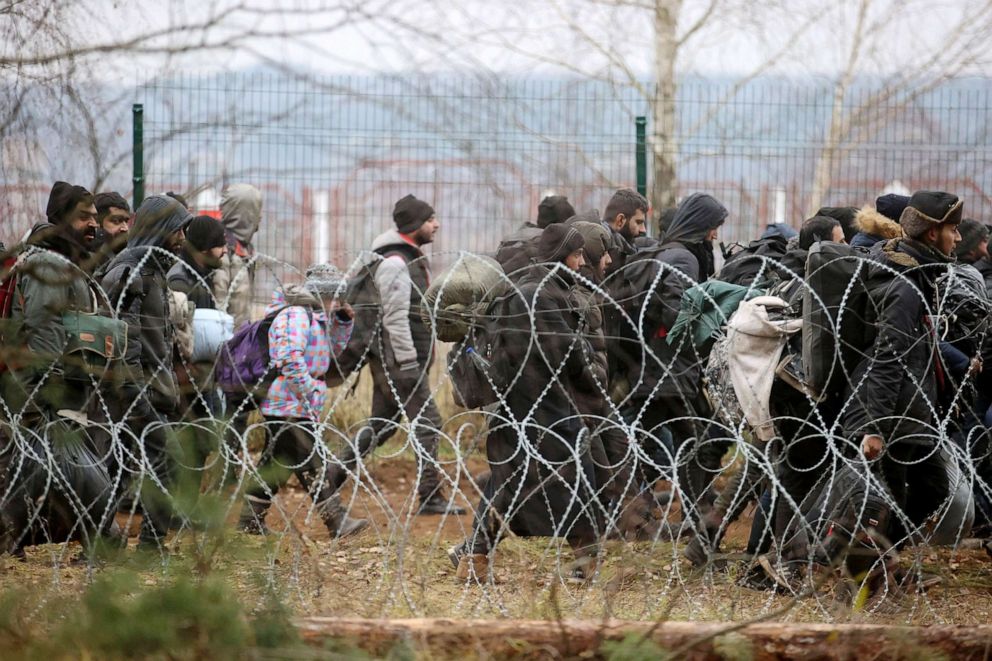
(895, 391)
(113, 214)
(135, 282)
(666, 396)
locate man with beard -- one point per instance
(199, 258)
(896, 391)
(50, 282)
(135, 282)
(112, 215)
(41, 381)
(192, 276)
(626, 217)
(403, 353)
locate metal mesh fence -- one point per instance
(699, 509)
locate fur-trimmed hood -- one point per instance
(870, 221)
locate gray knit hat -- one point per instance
(325, 280)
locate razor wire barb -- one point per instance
(630, 515)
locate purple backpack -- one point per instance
(244, 370)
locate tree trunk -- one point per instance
(664, 142)
(522, 639)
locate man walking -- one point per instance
(402, 354)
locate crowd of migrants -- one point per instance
(832, 377)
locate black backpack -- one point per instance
(363, 296)
(743, 266)
(474, 364)
(835, 314)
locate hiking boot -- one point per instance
(755, 578)
(436, 503)
(473, 566)
(252, 519)
(788, 577)
(336, 518)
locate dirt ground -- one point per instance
(399, 568)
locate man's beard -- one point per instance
(85, 237)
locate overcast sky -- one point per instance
(594, 37)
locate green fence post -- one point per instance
(138, 153)
(642, 154)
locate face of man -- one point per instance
(81, 221)
(213, 256)
(945, 237)
(174, 242)
(838, 234)
(115, 222)
(631, 228)
(425, 233)
(605, 262)
(576, 260)
(712, 234)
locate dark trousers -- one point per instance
(290, 449)
(157, 450)
(416, 401)
(694, 436)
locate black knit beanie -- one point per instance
(554, 209)
(558, 241)
(410, 213)
(204, 233)
(891, 206)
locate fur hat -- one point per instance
(928, 209)
(410, 213)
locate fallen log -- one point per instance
(521, 639)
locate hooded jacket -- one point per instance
(301, 343)
(196, 282)
(135, 282)
(893, 391)
(541, 483)
(402, 278)
(696, 217)
(873, 227)
(234, 281)
(50, 283)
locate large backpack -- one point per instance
(835, 315)
(363, 296)
(743, 266)
(244, 370)
(475, 364)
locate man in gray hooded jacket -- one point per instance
(234, 281)
(136, 284)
